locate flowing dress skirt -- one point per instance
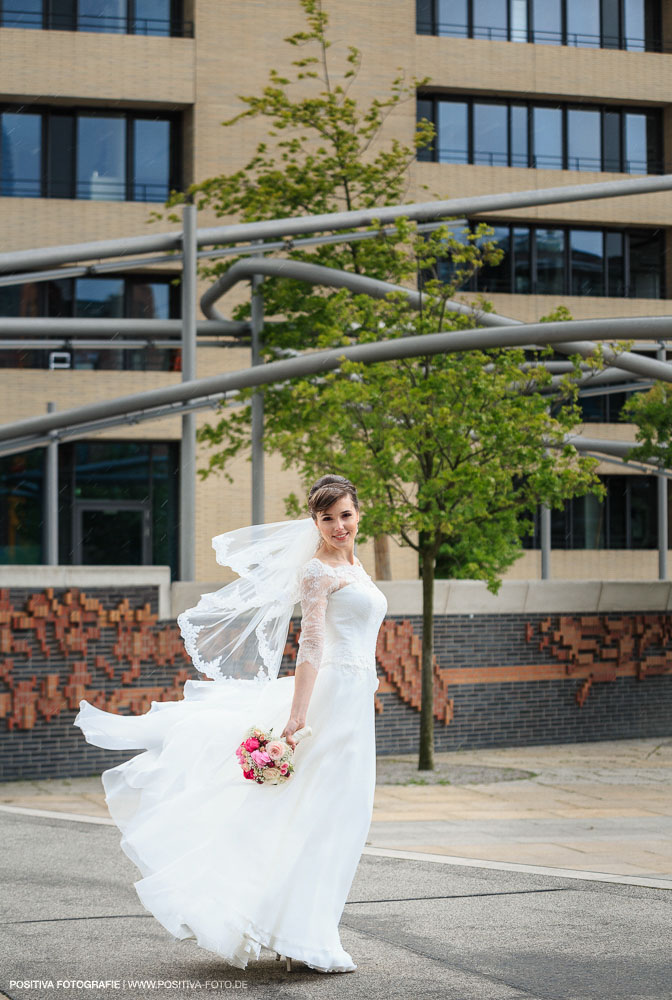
(231, 863)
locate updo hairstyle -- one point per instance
(327, 490)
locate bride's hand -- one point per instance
(288, 732)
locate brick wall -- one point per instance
(499, 679)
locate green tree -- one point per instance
(652, 413)
(452, 450)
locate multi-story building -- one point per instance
(107, 105)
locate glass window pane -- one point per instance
(21, 300)
(583, 23)
(112, 470)
(497, 278)
(21, 155)
(611, 148)
(611, 24)
(151, 160)
(615, 264)
(21, 518)
(588, 527)
(521, 261)
(60, 297)
(519, 150)
(102, 15)
(99, 298)
(518, 20)
(547, 22)
(21, 14)
(425, 111)
(587, 262)
(491, 19)
(152, 17)
(635, 31)
(646, 265)
(636, 156)
(547, 132)
(452, 132)
(149, 300)
(61, 156)
(617, 511)
(491, 135)
(550, 261)
(452, 18)
(424, 17)
(583, 140)
(643, 512)
(101, 158)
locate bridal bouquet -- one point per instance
(265, 759)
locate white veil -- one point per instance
(239, 632)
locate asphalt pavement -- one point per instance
(422, 919)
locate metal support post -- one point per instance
(188, 448)
(51, 498)
(661, 354)
(257, 325)
(545, 542)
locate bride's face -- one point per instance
(338, 524)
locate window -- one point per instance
(543, 136)
(90, 155)
(575, 261)
(610, 24)
(118, 504)
(140, 296)
(627, 518)
(134, 17)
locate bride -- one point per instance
(235, 865)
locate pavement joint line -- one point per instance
(511, 866)
(463, 895)
(349, 902)
(444, 859)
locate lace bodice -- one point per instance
(342, 611)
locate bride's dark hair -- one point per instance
(327, 490)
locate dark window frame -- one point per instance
(427, 23)
(48, 19)
(50, 113)
(38, 358)
(563, 521)
(474, 285)
(430, 101)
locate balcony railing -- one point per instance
(103, 24)
(539, 37)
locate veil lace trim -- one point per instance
(239, 631)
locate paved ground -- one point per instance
(603, 806)
(423, 919)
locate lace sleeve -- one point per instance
(316, 585)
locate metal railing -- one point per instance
(547, 161)
(101, 23)
(97, 189)
(535, 36)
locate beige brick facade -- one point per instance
(235, 45)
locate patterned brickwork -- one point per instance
(499, 680)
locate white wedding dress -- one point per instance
(231, 863)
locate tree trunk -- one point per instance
(381, 551)
(426, 757)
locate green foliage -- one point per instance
(652, 412)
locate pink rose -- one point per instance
(260, 757)
(284, 768)
(249, 775)
(276, 749)
(251, 744)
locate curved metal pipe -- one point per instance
(23, 260)
(315, 362)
